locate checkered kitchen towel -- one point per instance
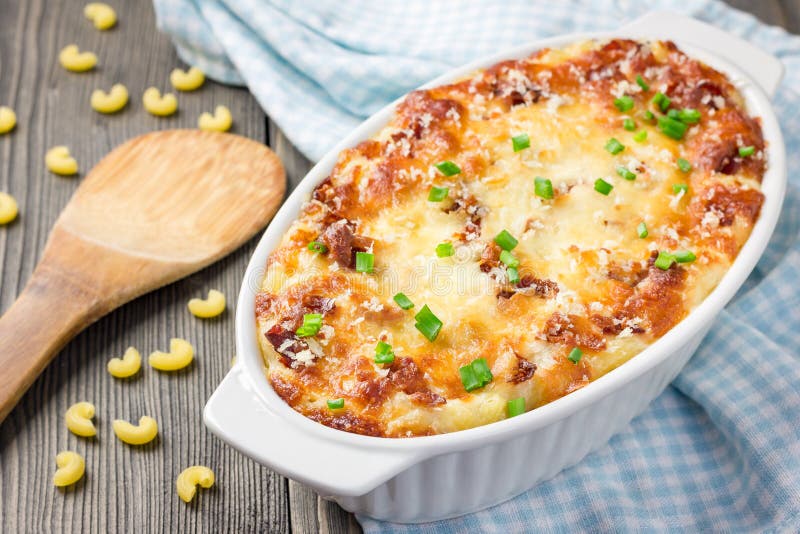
(720, 449)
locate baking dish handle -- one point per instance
(237, 415)
(766, 70)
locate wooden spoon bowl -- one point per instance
(157, 208)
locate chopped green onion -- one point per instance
(437, 194)
(664, 260)
(543, 187)
(689, 116)
(384, 353)
(443, 250)
(640, 136)
(448, 168)
(365, 262)
(641, 230)
(403, 301)
(629, 124)
(678, 188)
(671, 127)
(336, 404)
(684, 165)
(513, 275)
(614, 146)
(624, 103)
(312, 322)
(475, 375)
(662, 101)
(684, 256)
(505, 240)
(643, 84)
(520, 142)
(515, 407)
(468, 378)
(626, 173)
(318, 247)
(575, 355)
(602, 187)
(482, 370)
(509, 259)
(745, 151)
(674, 114)
(648, 115)
(428, 323)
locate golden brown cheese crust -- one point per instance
(587, 279)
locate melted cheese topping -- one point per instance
(587, 279)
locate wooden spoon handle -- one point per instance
(50, 311)
(65, 294)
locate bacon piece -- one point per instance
(428, 398)
(338, 198)
(308, 303)
(490, 257)
(343, 242)
(505, 293)
(704, 90)
(406, 376)
(279, 337)
(614, 325)
(311, 303)
(529, 285)
(574, 330)
(523, 372)
(511, 84)
(264, 304)
(372, 391)
(539, 287)
(473, 210)
(338, 237)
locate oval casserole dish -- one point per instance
(409, 480)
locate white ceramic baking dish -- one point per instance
(429, 478)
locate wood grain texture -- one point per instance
(129, 489)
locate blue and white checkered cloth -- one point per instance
(720, 449)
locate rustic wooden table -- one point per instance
(132, 489)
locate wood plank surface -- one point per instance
(129, 489)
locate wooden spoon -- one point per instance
(157, 208)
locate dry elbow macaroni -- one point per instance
(102, 15)
(79, 419)
(187, 80)
(8, 208)
(209, 307)
(112, 101)
(8, 119)
(220, 121)
(190, 478)
(179, 356)
(145, 432)
(128, 365)
(160, 106)
(71, 58)
(70, 468)
(59, 161)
